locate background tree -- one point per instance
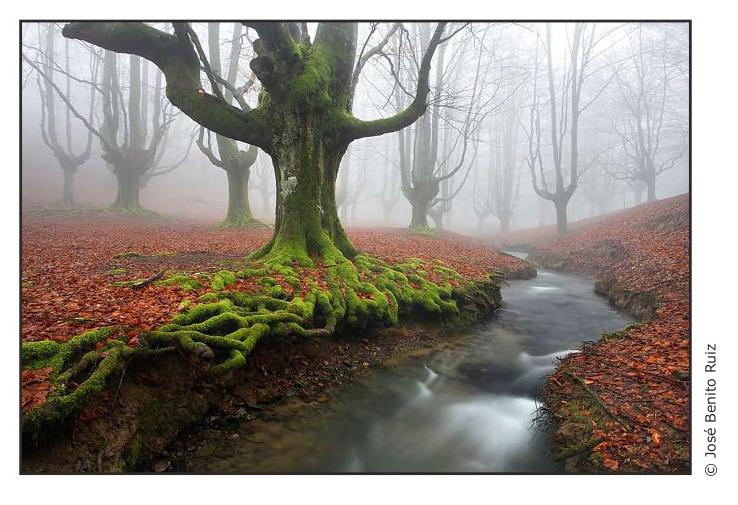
(496, 194)
(124, 135)
(64, 153)
(124, 132)
(422, 167)
(265, 185)
(236, 163)
(389, 194)
(651, 129)
(566, 108)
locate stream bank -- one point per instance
(634, 383)
(130, 426)
(462, 404)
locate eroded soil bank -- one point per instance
(145, 428)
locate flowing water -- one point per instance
(468, 407)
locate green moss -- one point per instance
(123, 284)
(447, 273)
(312, 85)
(422, 231)
(275, 291)
(59, 406)
(49, 354)
(221, 279)
(131, 254)
(619, 335)
(248, 273)
(36, 351)
(118, 271)
(186, 282)
(227, 324)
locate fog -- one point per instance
(517, 111)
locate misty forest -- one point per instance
(268, 247)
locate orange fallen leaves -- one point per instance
(642, 377)
(36, 386)
(610, 463)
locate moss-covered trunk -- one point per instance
(306, 160)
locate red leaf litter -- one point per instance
(642, 378)
(36, 386)
(68, 266)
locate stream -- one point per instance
(467, 407)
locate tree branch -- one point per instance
(179, 62)
(357, 128)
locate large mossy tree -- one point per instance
(303, 121)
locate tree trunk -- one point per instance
(505, 222)
(423, 193)
(638, 194)
(266, 205)
(561, 219)
(438, 220)
(651, 188)
(128, 189)
(239, 208)
(68, 196)
(419, 218)
(306, 162)
(344, 212)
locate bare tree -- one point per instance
(236, 163)
(265, 185)
(63, 152)
(652, 134)
(390, 194)
(566, 107)
(124, 133)
(126, 143)
(499, 196)
(351, 188)
(423, 173)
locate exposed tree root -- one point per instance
(225, 327)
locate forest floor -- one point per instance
(623, 402)
(75, 270)
(72, 261)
